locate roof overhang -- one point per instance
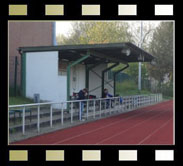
(106, 53)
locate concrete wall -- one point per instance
(26, 34)
(95, 81)
(42, 77)
(77, 78)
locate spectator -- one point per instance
(83, 94)
(106, 94)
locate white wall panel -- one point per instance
(42, 76)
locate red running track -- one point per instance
(147, 126)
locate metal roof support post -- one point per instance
(103, 73)
(115, 77)
(87, 77)
(69, 70)
(23, 74)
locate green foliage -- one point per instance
(97, 32)
(158, 41)
(129, 87)
(167, 89)
(133, 71)
(161, 48)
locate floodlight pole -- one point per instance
(141, 39)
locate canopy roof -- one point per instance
(106, 53)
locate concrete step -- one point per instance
(44, 121)
(31, 121)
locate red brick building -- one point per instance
(26, 34)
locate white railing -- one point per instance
(77, 110)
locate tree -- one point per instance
(161, 48)
(97, 32)
(134, 29)
(148, 29)
(158, 41)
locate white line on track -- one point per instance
(131, 127)
(155, 131)
(113, 123)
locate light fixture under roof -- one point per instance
(125, 51)
(153, 62)
(141, 58)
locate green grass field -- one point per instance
(19, 100)
(129, 88)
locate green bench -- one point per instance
(20, 112)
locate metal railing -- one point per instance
(75, 110)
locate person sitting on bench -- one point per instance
(83, 94)
(106, 94)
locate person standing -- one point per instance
(83, 94)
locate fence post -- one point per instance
(87, 107)
(23, 121)
(119, 105)
(126, 103)
(72, 112)
(81, 109)
(105, 107)
(149, 99)
(155, 98)
(62, 114)
(94, 109)
(51, 115)
(145, 100)
(110, 106)
(114, 105)
(38, 118)
(100, 107)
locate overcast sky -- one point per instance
(65, 27)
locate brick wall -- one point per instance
(26, 34)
